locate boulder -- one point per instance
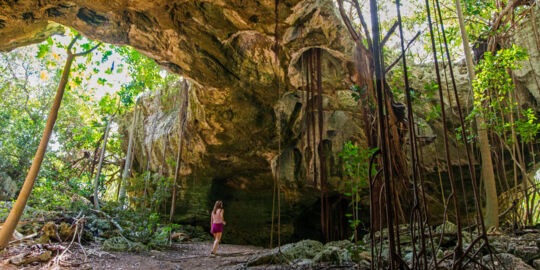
(121, 244)
(527, 253)
(180, 237)
(506, 261)
(343, 244)
(333, 255)
(27, 258)
(447, 227)
(536, 264)
(305, 249)
(8, 187)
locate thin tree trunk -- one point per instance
(94, 157)
(127, 166)
(8, 228)
(147, 173)
(492, 204)
(100, 165)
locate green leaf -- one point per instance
(43, 49)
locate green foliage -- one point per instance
(356, 161)
(49, 195)
(493, 75)
(356, 167)
(528, 126)
(358, 92)
(145, 74)
(494, 97)
(102, 87)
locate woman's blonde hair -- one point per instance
(217, 205)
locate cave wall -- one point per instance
(230, 145)
(224, 50)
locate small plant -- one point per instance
(356, 166)
(47, 195)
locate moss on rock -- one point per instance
(305, 249)
(120, 244)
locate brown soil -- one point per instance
(179, 256)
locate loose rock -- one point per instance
(506, 261)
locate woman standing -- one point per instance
(217, 223)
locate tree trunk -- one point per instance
(492, 204)
(14, 216)
(100, 164)
(9, 226)
(127, 166)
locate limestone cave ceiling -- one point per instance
(218, 43)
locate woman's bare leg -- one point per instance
(217, 237)
(214, 246)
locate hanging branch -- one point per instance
(389, 34)
(364, 24)
(348, 24)
(322, 157)
(402, 53)
(417, 207)
(395, 118)
(394, 260)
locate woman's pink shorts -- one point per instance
(217, 228)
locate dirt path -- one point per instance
(179, 256)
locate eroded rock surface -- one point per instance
(8, 187)
(239, 90)
(226, 49)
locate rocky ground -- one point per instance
(91, 239)
(117, 239)
(178, 256)
(307, 254)
(518, 251)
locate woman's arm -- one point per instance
(222, 211)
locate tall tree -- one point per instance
(13, 219)
(492, 204)
(100, 165)
(365, 52)
(129, 158)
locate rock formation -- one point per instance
(239, 92)
(8, 187)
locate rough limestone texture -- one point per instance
(305, 249)
(528, 77)
(8, 187)
(230, 144)
(242, 96)
(506, 261)
(225, 48)
(121, 244)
